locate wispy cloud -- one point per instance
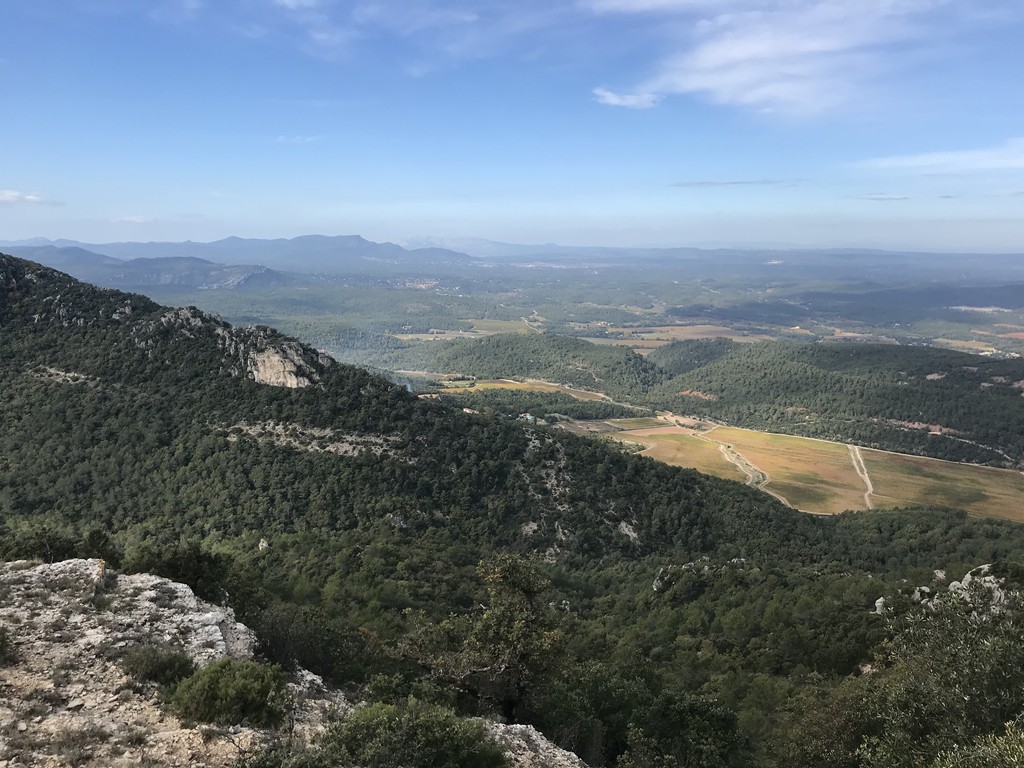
(13, 197)
(631, 100)
(1006, 156)
(882, 197)
(322, 31)
(726, 183)
(176, 11)
(794, 56)
(405, 18)
(430, 34)
(135, 220)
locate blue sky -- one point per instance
(874, 123)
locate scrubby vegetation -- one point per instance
(617, 597)
(7, 652)
(413, 735)
(232, 692)
(163, 666)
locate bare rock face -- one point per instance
(279, 367)
(66, 702)
(254, 351)
(268, 358)
(527, 748)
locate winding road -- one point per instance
(858, 464)
(756, 476)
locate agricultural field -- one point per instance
(479, 329)
(658, 336)
(821, 477)
(502, 326)
(529, 385)
(974, 347)
(902, 480)
(681, 449)
(643, 422)
(811, 475)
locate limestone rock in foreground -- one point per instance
(527, 748)
(67, 702)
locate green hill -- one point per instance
(924, 400)
(345, 519)
(616, 371)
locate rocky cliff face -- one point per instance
(65, 700)
(34, 298)
(254, 351)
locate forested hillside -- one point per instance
(616, 371)
(360, 530)
(924, 400)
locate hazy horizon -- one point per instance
(465, 244)
(629, 123)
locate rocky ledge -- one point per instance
(66, 702)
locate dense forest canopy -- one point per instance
(661, 597)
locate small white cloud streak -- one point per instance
(648, 6)
(13, 197)
(882, 197)
(406, 19)
(630, 100)
(710, 183)
(1007, 156)
(135, 220)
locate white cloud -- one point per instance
(645, 6)
(176, 11)
(13, 197)
(135, 220)
(794, 56)
(1007, 156)
(883, 197)
(631, 100)
(711, 183)
(406, 19)
(324, 32)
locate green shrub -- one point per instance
(7, 653)
(232, 692)
(1006, 749)
(150, 663)
(414, 735)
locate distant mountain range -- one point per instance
(232, 263)
(236, 262)
(173, 271)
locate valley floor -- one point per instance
(823, 477)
